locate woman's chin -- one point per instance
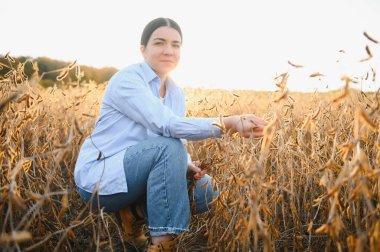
(164, 70)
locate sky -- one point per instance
(240, 44)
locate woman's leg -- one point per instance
(165, 162)
(110, 203)
(156, 167)
(205, 190)
(155, 170)
(203, 193)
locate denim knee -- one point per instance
(174, 145)
(175, 149)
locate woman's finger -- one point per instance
(258, 129)
(256, 119)
(200, 175)
(197, 163)
(259, 122)
(191, 167)
(255, 132)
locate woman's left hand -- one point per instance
(193, 167)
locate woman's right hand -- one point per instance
(246, 125)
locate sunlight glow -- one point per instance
(227, 44)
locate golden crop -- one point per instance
(311, 184)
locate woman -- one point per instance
(134, 158)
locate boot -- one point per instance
(132, 225)
(167, 246)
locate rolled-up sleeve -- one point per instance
(130, 95)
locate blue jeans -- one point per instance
(156, 173)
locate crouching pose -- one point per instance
(135, 159)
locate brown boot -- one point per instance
(132, 225)
(167, 246)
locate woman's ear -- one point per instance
(142, 50)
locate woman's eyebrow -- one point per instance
(162, 39)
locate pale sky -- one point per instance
(226, 44)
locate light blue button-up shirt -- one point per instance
(132, 111)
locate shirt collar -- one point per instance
(149, 74)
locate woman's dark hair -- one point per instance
(154, 25)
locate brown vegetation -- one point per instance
(312, 183)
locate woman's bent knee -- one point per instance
(175, 152)
(175, 146)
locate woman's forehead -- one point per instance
(166, 32)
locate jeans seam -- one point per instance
(166, 188)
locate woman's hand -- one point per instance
(246, 125)
(194, 167)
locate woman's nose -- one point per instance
(168, 50)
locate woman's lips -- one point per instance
(167, 61)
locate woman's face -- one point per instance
(163, 50)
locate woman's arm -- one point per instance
(131, 96)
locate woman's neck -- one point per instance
(163, 85)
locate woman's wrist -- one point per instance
(229, 122)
